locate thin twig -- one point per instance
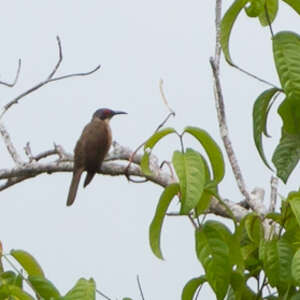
(140, 287)
(193, 222)
(165, 162)
(164, 98)
(273, 200)
(256, 77)
(60, 58)
(48, 80)
(16, 77)
(103, 295)
(171, 114)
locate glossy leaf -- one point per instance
(156, 225)
(191, 288)
(286, 155)
(286, 50)
(255, 8)
(83, 290)
(296, 267)
(190, 170)
(212, 150)
(294, 201)
(156, 137)
(254, 228)
(28, 262)
(43, 287)
(272, 7)
(294, 4)
(227, 25)
(260, 114)
(277, 263)
(213, 252)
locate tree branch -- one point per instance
(49, 79)
(254, 199)
(16, 77)
(9, 145)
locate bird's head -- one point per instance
(106, 114)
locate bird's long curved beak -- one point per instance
(118, 112)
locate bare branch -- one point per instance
(27, 171)
(49, 79)
(60, 58)
(274, 186)
(164, 98)
(255, 199)
(16, 77)
(225, 135)
(218, 17)
(140, 287)
(75, 74)
(9, 145)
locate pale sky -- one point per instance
(105, 234)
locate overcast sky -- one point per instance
(105, 234)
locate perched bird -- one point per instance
(91, 149)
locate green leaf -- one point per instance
(8, 277)
(190, 170)
(227, 24)
(254, 228)
(156, 137)
(155, 228)
(294, 201)
(13, 292)
(213, 252)
(260, 112)
(255, 8)
(294, 4)
(43, 287)
(286, 46)
(28, 262)
(83, 290)
(191, 287)
(212, 150)
(277, 263)
(145, 164)
(286, 50)
(272, 7)
(204, 203)
(296, 267)
(286, 155)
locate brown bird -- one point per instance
(91, 149)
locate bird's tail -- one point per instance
(74, 186)
(89, 176)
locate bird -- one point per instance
(91, 149)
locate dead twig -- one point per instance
(16, 77)
(171, 113)
(140, 287)
(49, 79)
